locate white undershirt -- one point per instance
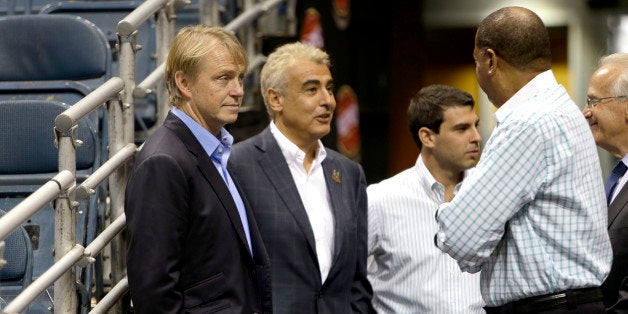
(313, 192)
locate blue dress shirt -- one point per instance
(219, 150)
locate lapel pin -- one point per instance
(335, 175)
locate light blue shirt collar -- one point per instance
(217, 148)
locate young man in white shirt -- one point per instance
(409, 274)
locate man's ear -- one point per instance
(426, 136)
(183, 84)
(491, 60)
(275, 100)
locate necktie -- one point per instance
(611, 182)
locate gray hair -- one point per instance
(273, 73)
(619, 61)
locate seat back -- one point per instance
(28, 159)
(19, 256)
(49, 48)
(28, 142)
(106, 15)
(53, 57)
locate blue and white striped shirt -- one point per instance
(407, 272)
(532, 216)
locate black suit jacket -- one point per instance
(187, 247)
(615, 287)
(261, 168)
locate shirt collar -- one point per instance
(539, 83)
(291, 152)
(214, 146)
(429, 184)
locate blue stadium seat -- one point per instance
(54, 57)
(18, 272)
(106, 15)
(19, 256)
(28, 158)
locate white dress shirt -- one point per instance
(409, 274)
(313, 193)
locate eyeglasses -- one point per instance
(592, 102)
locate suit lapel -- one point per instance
(209, 171)
(619, 203)
(333, 178)
(276, 169)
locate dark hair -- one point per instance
(518, 36)
(427, 106)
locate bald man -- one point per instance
(532, 215)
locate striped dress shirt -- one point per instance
(408, 273)
(532, 216)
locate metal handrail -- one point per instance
(86, 189)
(251, 14)
(146, 86)
(94, 248)
(70, 117)
(155, 77)
(64, 264)
(34, 202)
(53, 273)
(131, 22)
(112, 297)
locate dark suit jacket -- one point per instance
(187, 248)
(263, 172)
(615, 287)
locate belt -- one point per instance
(569, 299)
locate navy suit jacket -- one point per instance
(187, 247)
(615, 287)
(263, 172)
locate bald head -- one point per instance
(518, 36)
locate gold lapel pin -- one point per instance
(335, 175)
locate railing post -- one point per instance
(121, 118)
(117, 183)
(65, 298)
(208, 12)
(165, 32)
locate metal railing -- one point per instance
(118, 93)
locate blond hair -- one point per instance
(189, 47)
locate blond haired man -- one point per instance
(194, 245)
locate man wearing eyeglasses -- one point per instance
(607, 113)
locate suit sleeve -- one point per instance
(621, 306)
(361, 292)
(156, 202)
